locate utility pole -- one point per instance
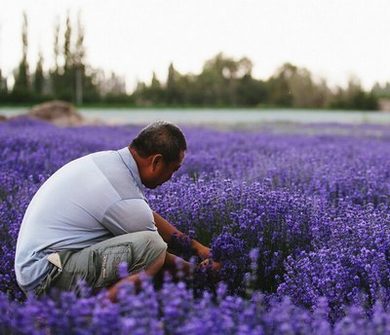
(3, 81)
(79, 85)
(0, 46)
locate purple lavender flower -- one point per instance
(300, 222)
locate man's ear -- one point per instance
(157, 159)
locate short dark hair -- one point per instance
(160, 137)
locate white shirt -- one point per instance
(88, 200)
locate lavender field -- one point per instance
(298, 216)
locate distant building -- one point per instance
(384, 104)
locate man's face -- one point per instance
(163, 171)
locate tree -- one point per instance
(156, 93)
(66, 89)
(172, 89)
(3, 81)
(216, 79)
(39, 77)
(57, 48)
(67, 44)
(293, 86)
(3, 85)
(54, 80)
(111, 84)
(250, 91)
(22, 81)
(222, 77)
(354, 97)
(79, 62)
(215, 73)
(73, 79)
(305, 92)
(381, 91)
(3, 88)
(279, 88)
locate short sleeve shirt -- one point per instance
(88, 200)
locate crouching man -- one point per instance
(92, 214)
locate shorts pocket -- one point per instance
(44, 287)
(106, 262)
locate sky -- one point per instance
(335, 39)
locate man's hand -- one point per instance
(166, 230)
(202, 251)
(215, 266)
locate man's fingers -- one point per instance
(203, 252)
(209, 263)
(216, 266)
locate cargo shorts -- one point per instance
(98, 264)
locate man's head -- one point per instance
(158, 151)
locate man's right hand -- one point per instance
(209, 263)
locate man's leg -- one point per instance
(135, 279)
(165, 262)
(174, 264)
(98, 264)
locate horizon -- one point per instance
(112, 46)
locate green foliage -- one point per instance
(22, 89)
(223, 82)
(381, 91)
(172, 94)
(39, 78)
(354, 97)
(3, 85)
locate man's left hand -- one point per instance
(202, 251)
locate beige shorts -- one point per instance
(98, 264)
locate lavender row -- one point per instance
(173, 310)
(300, 217)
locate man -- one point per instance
(92, 214)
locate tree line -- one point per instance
(223, 82)
(71, 78)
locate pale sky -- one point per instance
(332, 38)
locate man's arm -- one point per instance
(166, 230)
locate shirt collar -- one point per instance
(128, 159)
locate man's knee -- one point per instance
(152, 238)
(147, 247)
